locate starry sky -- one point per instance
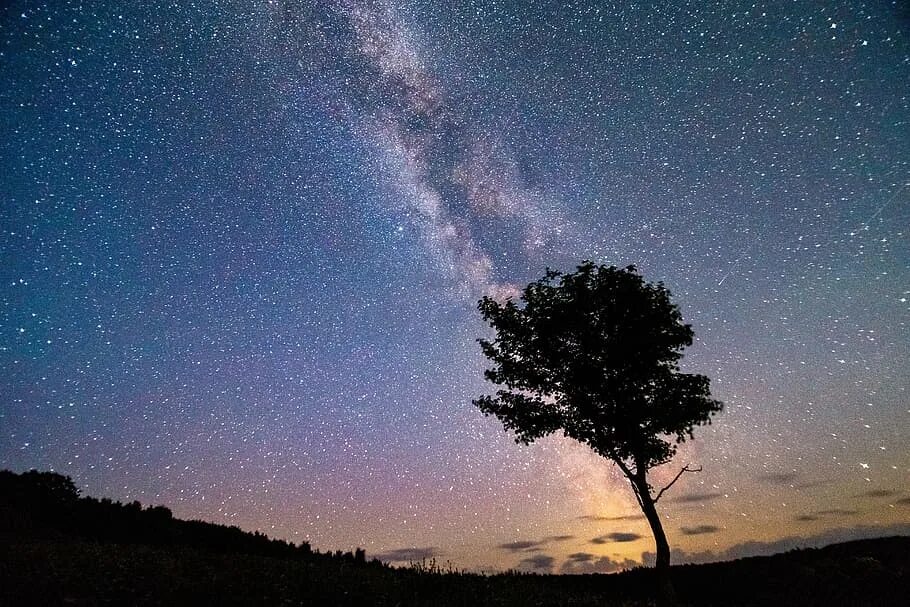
(241, 245)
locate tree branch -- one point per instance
(622, 465)
(685, 469)
(629, 475)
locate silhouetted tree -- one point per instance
(594, 354)
(46, 486)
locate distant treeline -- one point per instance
(48, 504)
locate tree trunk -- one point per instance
(667, 596)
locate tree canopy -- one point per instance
(595, 354)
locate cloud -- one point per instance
(617, 536)
(877, 493)
(532, 545)
(580, 557)
(811, 484)
(540, 563)
(697, 497)
(778, 478)
(814, 516)
(521, 546)
(406, 555)
(627, 517)
(699, 530)
(837, 512)
(585, 562)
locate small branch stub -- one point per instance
(685, 469)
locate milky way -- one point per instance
(242, 244)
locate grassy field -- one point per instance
(76, 572)
(58, 548)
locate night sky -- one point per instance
(241, 245)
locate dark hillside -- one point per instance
(57, 548)
(47, 505)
